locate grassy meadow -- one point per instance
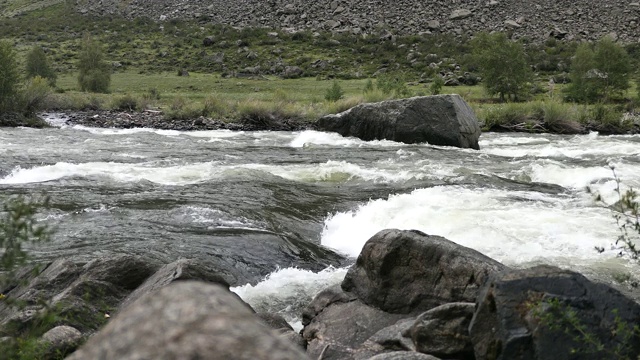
(238, 72)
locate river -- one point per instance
(522, 199)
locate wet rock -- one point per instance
(341, 328)
(187, 320)
(183, 269)
(444, 331)
(437, 120)
(546, 313)
(80, 291)
(409, 272)
(274, 321)
(403, 355)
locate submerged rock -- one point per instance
(187, 320)
(438, 120)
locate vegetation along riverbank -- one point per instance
(57, 59)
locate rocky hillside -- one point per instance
(539, 19)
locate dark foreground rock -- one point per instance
(414, 296)
(438, 120)
(398, 276)
(409, 271)
(187, 320)
(549, 313)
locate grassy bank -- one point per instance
(303, 99)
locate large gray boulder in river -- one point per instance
(438, 120)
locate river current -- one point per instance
(523, 199)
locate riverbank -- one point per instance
(628, 124)
(157, 120)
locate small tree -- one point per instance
(599, 72)
(95, 75)
(334, 93)
(38, 65)
(502, 64)
(9, 77)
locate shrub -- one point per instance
(344, 104)
(215, 107)
(35, 94)
(368, 87)
(334, 93)
(18, 227)
(376, 96)
(503, 65)
(126, 102)
(436, 85)
(95, 75)
(599, 72)
(9, 77)
(393, 84)
(38, 65)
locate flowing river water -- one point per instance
(522, 199)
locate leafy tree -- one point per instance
(9, 77)
(502, 64)
(38, 65)
(334, 93)
(599, 72)
(95, 75)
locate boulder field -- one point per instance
(537, 20)
(408, 296)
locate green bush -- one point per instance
(18, 227)
(38, 65)
(503, 66)
(393, 84)
(599, 72)
(9, 77)
(436, 85)
(95, 75)
(126, 102)
(334, 93)
(34, 96)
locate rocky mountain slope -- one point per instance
(537, 19)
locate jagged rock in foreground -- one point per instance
(187, 320)
(398, 275)
(180, 270)
(410, 271)
(548, 313)
(438, 120)
(411, 294)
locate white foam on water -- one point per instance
(55, 119)
(170, 175)
(184, 174)
(537, 227)
(577, 147)
(115, 131)
(288, 291)
(311, 138)
(217, 219)
(342, 171)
